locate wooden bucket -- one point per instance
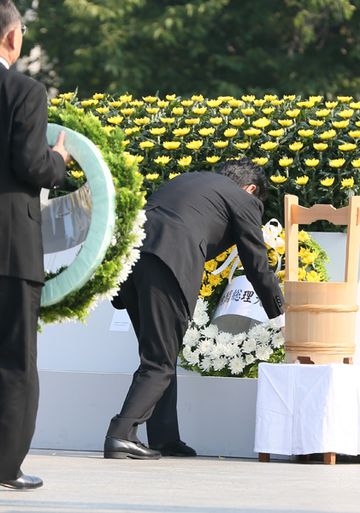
(320, 318)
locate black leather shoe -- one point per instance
(23, 482)
(178, 448)
(118, 449)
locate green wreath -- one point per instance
(129, 216)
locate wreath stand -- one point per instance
(320, 317)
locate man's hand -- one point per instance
(60, 148)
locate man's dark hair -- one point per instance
(9, 16)
(244, 172)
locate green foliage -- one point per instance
(213, 46)
(129, 200)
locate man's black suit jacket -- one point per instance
(196, 216)
(26, 165)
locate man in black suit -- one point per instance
(190, 219)
(27, 164)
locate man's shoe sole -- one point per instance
(119, 455)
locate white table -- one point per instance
(306, 409)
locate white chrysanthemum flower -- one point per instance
(260, 333)
(263, 352)
(217, 351)
(236, 365)
(205, 364)
(200, 316)
(224, 338)
(191, 356)
(239, 338)
(249, 359)
(231, 350)
(210, 331)
(206, 346)
(249, 345)
(219, 363)
(191, 337)
(277, 340)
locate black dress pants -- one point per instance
(19, 386)
(158, 311)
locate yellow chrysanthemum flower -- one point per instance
(268, 145)
(220, 144)
(235, 104)
(146, 145)
(327, 182)
(213, 104)
(115, 104)
(55, 101)
(285, 161)
(222, 256)
(320, 146)
(213, 160)
(259, 102)
(307, 256)
(248, 98)
(167, 121)
(69, 96)
(77, 174)
(290, 97)
(185, 161)
(152, 176)
(347, 147)
(231, 132)
(315, 99)
(281, 276)
(302, 180)
(205, 132)
(347, 183)
(150, 99)
(127, 111)
(115, 120)
(355, 105)
(180, 132)
(355, 134)
(277, 102)
(173, 175)
(268, 110)
(237, 122)
(252, 132)
(341, 124)
(261, 122)
(177, 111)
(248, 111)
(199, 111)
(192, 121)
(187, 103)
(170, 97)
(162, 160)
(130, 158)
(132, 130)
(89, 103)
(216, 121)
(316, 122)
(242, 145)
(313, 276)
(163, 104)
(322, 113)
(125, 98)
(293, 113)
(277, 133)
(278, 178)
(296, 146)
(301, 273)
(260, 161)
(328, 134)
(345, 99)
(210, 266)
(355, 163)
(152, 110)
(197, 97)
(171, 145)
(225, 111)
(331, 105)
(306, 104)
(206, 291)
(336, 163)
(285, 122)
(311, 162)
(346, 113)
(108, 129)
(136, 103)
(102, 110)
(303, 236)
(142, 121)
(270, 97)
(214, 281)
(306, 133)
(194, 145)
(158, 130)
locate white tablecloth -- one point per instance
(304, 409)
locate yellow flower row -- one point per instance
(346, 183)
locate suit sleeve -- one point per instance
(253, 255)
(32, 160)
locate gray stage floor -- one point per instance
(85, 482)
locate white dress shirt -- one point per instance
(4, 62)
